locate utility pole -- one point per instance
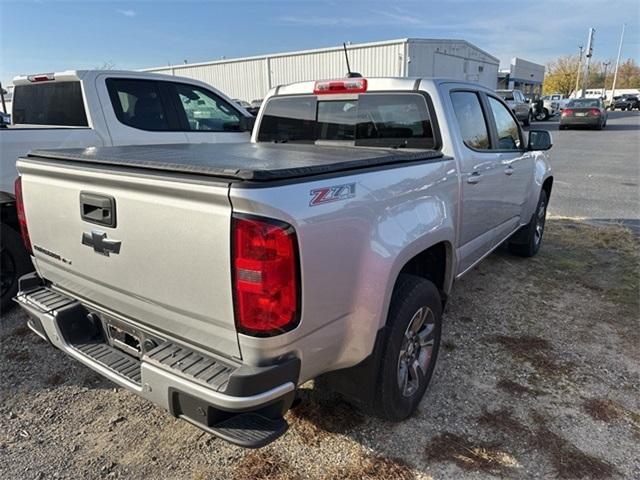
(588, 56)
(604, 81)
(579, 70)
(615, 75)
(4, 105)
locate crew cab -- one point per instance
(99, 108)
(213, 280)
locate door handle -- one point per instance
(474, 178)
(508, 170)
(98, 209)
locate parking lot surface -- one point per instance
(597, 172)
(537, 376)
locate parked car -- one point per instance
(255, 107)
(518, 104)
(625, 102)
(96, 108)
(244, 104)
(552, 105)
(584, 112)
(214, 279)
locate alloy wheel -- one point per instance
(416, 351)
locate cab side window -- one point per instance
(138, 103)
(471, 121)
(204, 111)
(506, 126)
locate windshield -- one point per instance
(584, 103)
(376, 120)
(506, 95)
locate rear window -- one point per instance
(376, 120)
(58, 103)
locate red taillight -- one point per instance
(349, 85)
(22, 219)
(594, 112)
(265, 276)
(567, 112)
(42, 77)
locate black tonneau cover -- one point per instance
(240, 161)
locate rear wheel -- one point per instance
(530, 239)
(413, 339)
(542, 116)
(14, 262)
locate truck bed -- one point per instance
(240, 161)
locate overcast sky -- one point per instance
(43, 36)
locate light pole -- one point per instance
(604, 81)
(615, 75)
(579, 71)
(588, 56)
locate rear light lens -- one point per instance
(349, 85)
(594, 112)
(567, 112)
(42, 77)
(265, 276)
(22, 219)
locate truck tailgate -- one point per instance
(172, 268)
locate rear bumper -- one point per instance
(580, 120)
(199, 387)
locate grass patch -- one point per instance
(535, 350)
(21, 331)
(568, 461)
(262, 465)
(55, 379)
(369, 467)
(515, 388)
(601, 258)
(18, 356)
(468, 455)
(322, 413)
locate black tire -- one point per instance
(14, 262)
(562, 127)
(411, 296)
(600, 126)
(527, 241)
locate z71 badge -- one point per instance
(331, 194)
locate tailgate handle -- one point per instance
(98, 209)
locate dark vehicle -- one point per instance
(626, 102)
(584, 112)
(255, 107)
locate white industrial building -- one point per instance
(523, 75)
(251, 77)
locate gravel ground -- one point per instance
(537, 378)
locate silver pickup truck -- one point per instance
(213, 280)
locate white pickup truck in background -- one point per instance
(103, 108)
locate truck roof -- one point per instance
(240, 161)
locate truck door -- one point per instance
(482, 214)
(138, 111)
(515, 162)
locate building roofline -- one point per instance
(353, 46)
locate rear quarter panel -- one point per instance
(351, 252)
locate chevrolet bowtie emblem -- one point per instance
(100, 243)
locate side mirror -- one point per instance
(247, 123)
(539, 140)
